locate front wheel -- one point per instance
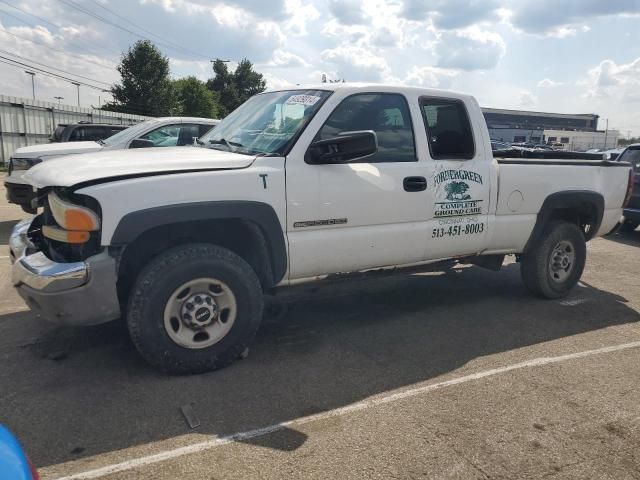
(194, 308)
(554, 266)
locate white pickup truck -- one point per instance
(294, 186)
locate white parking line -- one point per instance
(355, 407)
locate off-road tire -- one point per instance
(153, 288)
(535, 264)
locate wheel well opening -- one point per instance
(584, 214)
(242, 237)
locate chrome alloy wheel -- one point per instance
(200, 313)
(562, 261)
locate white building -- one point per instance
(581, 140)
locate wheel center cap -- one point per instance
(199, 310)
(202, 315)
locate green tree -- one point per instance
(457, 191)
(145, 87)
(623, 142)
(194, 98)
(234, 88)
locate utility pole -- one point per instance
(59, 98)
(78, 86)
(218, 60)
(606, 133)
(33, 82)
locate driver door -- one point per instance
(369, 213)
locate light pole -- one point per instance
(100, 99)
(33, 82)
(59, 98)
(78, 86)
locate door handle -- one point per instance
(414, 184)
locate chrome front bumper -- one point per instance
(75, 293)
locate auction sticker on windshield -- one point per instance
(302, 100)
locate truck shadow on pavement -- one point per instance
(72, 393)
(6, 227)
(627, 238)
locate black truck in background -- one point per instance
(632, 212)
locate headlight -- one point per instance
(23, 163)
(73, 217)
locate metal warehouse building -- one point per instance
(575, 132)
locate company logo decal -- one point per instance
(457, 192)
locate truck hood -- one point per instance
(63, 148)
(75, 169)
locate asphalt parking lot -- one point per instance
(440, 375)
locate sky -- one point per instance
(569, 56)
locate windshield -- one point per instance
(267, 123)
(129, 133)
(631, 155)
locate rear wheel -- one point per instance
(554, 266)
(194, 308)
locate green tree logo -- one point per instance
(457, 191)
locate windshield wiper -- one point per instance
(101, 142)
(226, 143)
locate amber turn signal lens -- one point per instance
(76, 219)
(65, 236)
(73, 217)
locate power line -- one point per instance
(72, 4)
(54, 68)
(21, 20)
(70, 54)
(31, 14)
(146, 30)
(46, 72)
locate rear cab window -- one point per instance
(449, 131)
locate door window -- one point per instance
(87, 134)
(448, 128)
(166, 136)
(386, 114)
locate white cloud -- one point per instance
(610, 80)
(300, 15)
(548, 83)
(284, 59)
(431, 77)
(470, 49)
(528, 99)
(450, 14)
(347, 12)
(276, 83)
(354, 63)
(560, 19)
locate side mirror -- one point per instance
(141, 143)
(346, 147)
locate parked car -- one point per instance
(157, 132)
(296, 186)
(14, 463)
(631, 155)
(612, 153)
(82, 132)
(499, 145)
